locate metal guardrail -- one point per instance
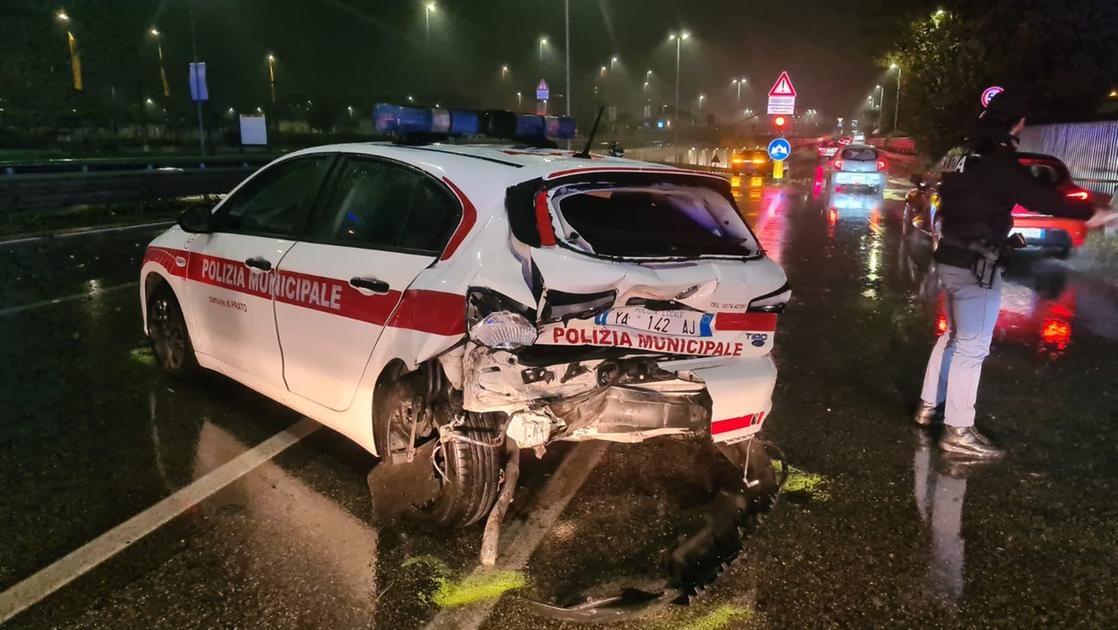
(59, 190)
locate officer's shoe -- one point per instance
(926, 414)
(968, 442)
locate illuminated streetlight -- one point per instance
(411, 99)
(603, 71)
(148, 101)
(702, 97)
(543, 42)
(678, 38)
(613, 61)
(154, 32)
(428, 9)
(739, 82)
(897, 103)
(647, 74)
(272, 75)
(72, 44)
(504, 71)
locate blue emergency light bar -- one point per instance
(426, 121)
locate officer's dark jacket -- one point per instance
(983, 181)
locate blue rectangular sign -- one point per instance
(198, 89)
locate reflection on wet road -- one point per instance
(874, 527)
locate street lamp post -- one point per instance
(897, 101)
(678, 37)
(568, 96)
(702, 97)
(543, 42)
(519, 100)
(197, 102)
(738, 82)
(428, 9)
(72, 45)
(272, 76)
(162, 70)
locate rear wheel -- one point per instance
(466, 472)
(167, 333)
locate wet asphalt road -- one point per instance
(874, 529)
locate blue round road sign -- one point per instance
(779, 149)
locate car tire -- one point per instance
(168, 335)
(467, 474)
(471, 485)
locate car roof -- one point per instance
(532, 161)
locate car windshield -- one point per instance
(660, 220)
(859, 154)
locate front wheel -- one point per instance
(167, 333)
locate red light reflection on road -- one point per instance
(1029, 320)
(817, 184)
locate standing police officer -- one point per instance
(982, 182)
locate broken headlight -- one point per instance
(772, 302)
(497, 321)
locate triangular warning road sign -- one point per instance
(543, 85)
(783, 86)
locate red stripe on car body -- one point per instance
(469, 218)
(434, 312)
(735, 424)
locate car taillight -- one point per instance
(881, 165)
(1079, 194)
(758, 160)
(838, 164)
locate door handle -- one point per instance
(257, 262)
(370, 284)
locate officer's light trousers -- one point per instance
(955, 366)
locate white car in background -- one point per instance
(858, 168)
(420, 294)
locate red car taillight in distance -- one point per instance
(838, 164)
(881, 165)
(1080, 194)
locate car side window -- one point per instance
(275, 202)
(381, 205)
(433, 218)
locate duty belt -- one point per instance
(978, 256)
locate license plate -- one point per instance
(856, 180)
(677, 323)
(1030, 232)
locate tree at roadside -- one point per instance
(1060, 53)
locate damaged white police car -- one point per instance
(481, 298)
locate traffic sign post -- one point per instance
(782, 96)
(543, 93)
(779, 150)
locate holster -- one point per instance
(981, 258)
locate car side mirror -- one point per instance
(196, 220)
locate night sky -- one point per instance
(354, 52)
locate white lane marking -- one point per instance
(120, 228)
(520, 540)
(84, 232)
(78, 562)
(19, 308)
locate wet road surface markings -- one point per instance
(85, 558)
(19, 308)
(520, 539)
(84, 232)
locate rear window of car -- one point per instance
(653, 221)
(859, 154)
(1045, 173)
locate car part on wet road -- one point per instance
(492, 533)
(702, 557)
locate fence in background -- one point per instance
(1090, 150)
